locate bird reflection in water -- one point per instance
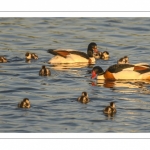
(71, 66)
(133, 84)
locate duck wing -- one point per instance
(62, 53)
(119, 67)
(141, 67)
(82, 54)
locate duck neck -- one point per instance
(90, 52)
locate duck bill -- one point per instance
(95, 50)
(93, 75)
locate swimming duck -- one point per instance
(3, 59)
(123, 71)
(83, 98)
(123, 60)
(25, 103)
(31, 56)
(101, 55)
(105, 55)
(44, 71)
(73, 56)
(110, 109)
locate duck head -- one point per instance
(97, 71)
(112, 104)
(84, 94)
(28, 55)
(92, 48)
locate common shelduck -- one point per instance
(83, 98)
(3, 59)
(44, 71)
(123, 60)
(31, 56)
(123, 71)
(73, 56)
(111, 109)
(25, 103)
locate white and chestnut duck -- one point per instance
(73, 56)
(123, 71)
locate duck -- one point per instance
(97, 55)
(102, 55)
(111, 109)
(3, 59)
(105, 55)
(25, 103)
(123, 60)
(29, 56)
(138, 71)
(44, 71)
(73, 56)
(83, 98)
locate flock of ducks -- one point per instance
(121, 70)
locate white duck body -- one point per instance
(126, 74)
(70, 56)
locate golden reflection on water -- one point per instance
(123, 83)
(70, 66)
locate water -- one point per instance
(54, 108)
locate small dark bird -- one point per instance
(3, 59)
(123, 60)
(101, 55)
(31, 56)
(25, 103)
(83, 98)
(110, 109)
(44, 71)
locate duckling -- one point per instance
(44, 71)
(25, 103)
(110, 109)
(105, 55)
(3, 59)
(34, 56)
(123, 60)
(97, 55)
(101, 55)
(83, 98)
(31, 56)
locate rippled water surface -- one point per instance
(53, 99)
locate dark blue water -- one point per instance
(54, 108)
